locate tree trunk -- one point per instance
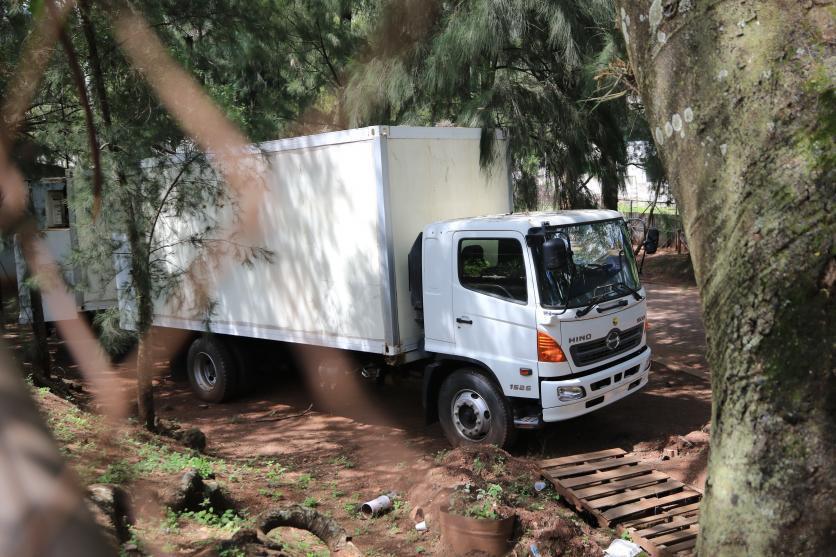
(42, 363)
(609, 192)
(145, 314)
(739, 95)
(139, 248)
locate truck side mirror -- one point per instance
(556, 254)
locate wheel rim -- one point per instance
(471, 415)
(205, 372)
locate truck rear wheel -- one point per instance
(211, 369)
(473, 411)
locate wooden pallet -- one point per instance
(660, 513)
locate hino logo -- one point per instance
(613, 340)
(580, 338)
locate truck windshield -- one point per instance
(603, 266)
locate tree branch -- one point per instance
(78, 78)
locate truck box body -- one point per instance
(340, 213)
(61, 236)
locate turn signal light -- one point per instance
(548, 350)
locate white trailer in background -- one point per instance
(60, 235)
(378, 251)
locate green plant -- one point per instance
(343, 461)
(228, 520)
(304, 481)
(310, 502)
(481, 503)
(440, 455)
(274, 473)
(478, 465)
(625, 535)
(232, 552)
(133, 540)
(170, 523)
(119, 472)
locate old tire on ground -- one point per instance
(473, 411)
(211, 369)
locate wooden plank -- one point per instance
(578, 458)
(610, 488)
(626, 510)
(676, 537)
(647, 521)
(636, 494)
(617, 474)
(667, 526)
(595, 466)
(566, 493)
(671, 549)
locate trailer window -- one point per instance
(493, 266)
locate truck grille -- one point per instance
(593, 351)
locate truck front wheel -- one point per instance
(473, 411)
(211, 369)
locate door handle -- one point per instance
(464, 320)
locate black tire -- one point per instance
(211, 369)
(470, 390)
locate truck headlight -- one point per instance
(570, 393)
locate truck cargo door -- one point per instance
(494, 308)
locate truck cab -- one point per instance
(530, 318)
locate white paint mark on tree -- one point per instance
(668, 129)
(722, 74)
(655, 14)
(662, 37)
(660, 137)
(688, 114)
(676, 122)
(724, 148)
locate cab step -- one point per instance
(528, 422)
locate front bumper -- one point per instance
(602, 388)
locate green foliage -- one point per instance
(303, 481)
(228, 520)
(159, 458)
(342, 461)
(479, 503)
(133, 540)
(274, 473)
(541, 69)
(119, 472)
(310, 502)
(232, 552)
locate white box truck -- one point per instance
(379, 249)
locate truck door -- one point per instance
(494, 307)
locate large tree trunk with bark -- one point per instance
(740, 97)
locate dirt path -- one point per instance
(676, 335)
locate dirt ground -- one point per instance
(374, 441)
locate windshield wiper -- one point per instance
(635, 293)
(598, 299)
(592, 303)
